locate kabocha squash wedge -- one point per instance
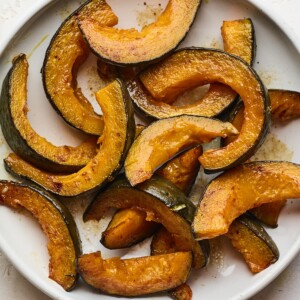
(239, 39)
(23, 139)
(161, 140)
(135, 276)
(155, 211)
(253, 242)
(240, 189)
(285, 105)
(114, 144)
(66, 52)
(196, 66)
(130, 226)
(268, 213)
(153, 42)
(64, 245)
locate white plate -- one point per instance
(227, 277)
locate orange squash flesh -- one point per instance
(161, 140)
(155, 210)
(48, 212)
(116, 138)
(66, 52)
(240, 189)
(135, 276)
(129, 46)
(207, 65)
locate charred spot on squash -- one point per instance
(64, 245)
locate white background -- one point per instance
(14, 286)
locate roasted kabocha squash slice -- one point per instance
(66, 52)
(236, 191)
(115, 141)
(161, 140)
(239, 39)
(196, 66)
(268, 213)
(64, 245)
(23, 139)
(155, 210)
(253, 242)
(129, 46)
(135, 276)
(285, 105)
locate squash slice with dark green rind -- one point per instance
(239, 39)
(208, 65)
(155, 210)
(253, 242)
(135, 276)
(128, 46)
(64, 245)
(65, 54)
(23, 139)
(115, 141)
(236, 191)
(164, 138)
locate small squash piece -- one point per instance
(161, 140)
(64, 245)
(240, 189)
(117, 137)
(66, 52)
(23, 139)
(285, 105)
(239, 39)
(155, 211)
(135, 276)
(208, 65)
(182, 292)
(129, 46)
(253, 242)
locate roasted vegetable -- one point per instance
(253, 242)
(208, 65)
(116, 138)
(268, 213)
(23, 139)
(240, 189)
(64, 245)
(135, 276)
(155, 211)
(239, 39)
(285, 105)
(66, 52)
(182, 292)
(153, 42)
(161, 140)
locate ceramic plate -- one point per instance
(278, 64)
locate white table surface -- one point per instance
(14, 286)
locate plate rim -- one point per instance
(31, 15)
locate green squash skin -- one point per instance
(130, 136)
(143, 63)
(259, 231)
(63, 211)
(14, 138)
